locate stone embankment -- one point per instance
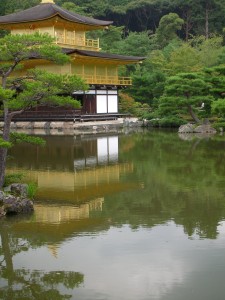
(190, 131)
(203, 128)
(73, 128)
(14, 200)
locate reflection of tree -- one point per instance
(174, 179)
(27, 284)
(182, 181)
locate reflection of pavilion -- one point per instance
(107, 153)
(64, 213)
(74, 170)
(79, 170)
(80, 186)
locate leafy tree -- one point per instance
(208, 8)
(167, 30)
(184, 59)
(70, 6)
(13, 6)
(186, 9)
(19, 93)
(185, 91)
(178, 59)
(137, 44)
(147, 86)
(210, 50)
(216, 77)
(108, 38)
(126, 103)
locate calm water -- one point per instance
(128, 217)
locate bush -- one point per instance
(12, 178)
(172, 121)
(31, 190)
(219, 124)
(128, 105)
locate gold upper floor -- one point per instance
(65, 37)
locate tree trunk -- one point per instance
(187, 23)
(193, 115)
(4, 151)
(7, 255)
(207, 23)
(3, 155)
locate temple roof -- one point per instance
(46, 11)
(103, 55)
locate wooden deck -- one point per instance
(75, 116)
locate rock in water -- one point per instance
(187, 128)
(19, 189)
(204, 128)
(16, 205)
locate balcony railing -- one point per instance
(78, 42)
(109, 80)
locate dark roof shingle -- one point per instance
(46, 11)
(105, 55)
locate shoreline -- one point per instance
(76, 128)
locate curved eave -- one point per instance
(122, 59)
(38, 13)
(9, 25)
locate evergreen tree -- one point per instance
(21, 92)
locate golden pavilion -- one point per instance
(98, 69)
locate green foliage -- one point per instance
(184, 59)
(180, 57)
(147, 86)
(143, 15)
(167, 29)
(216, 77)
(220, 124)
(187, 86)
(218, 107)
(43, 88)
(17, 48)
(22, 92)
(6, 94)
(169, 121)
(32, 190)
(4, 144)
(70, 6)
(108, 38)
(210, 50)
(128, 105)
(136, 44)
(185, 91)
(12, 178)
(16, 138)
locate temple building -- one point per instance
(100, 70)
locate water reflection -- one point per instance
(59, 214)
(137, 217)
(24, 283)
(143, 179)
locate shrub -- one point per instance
(12, 178)
(31, 190)
(219, 124)
(171, 121)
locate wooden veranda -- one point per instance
(76, 115)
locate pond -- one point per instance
(118, 217)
